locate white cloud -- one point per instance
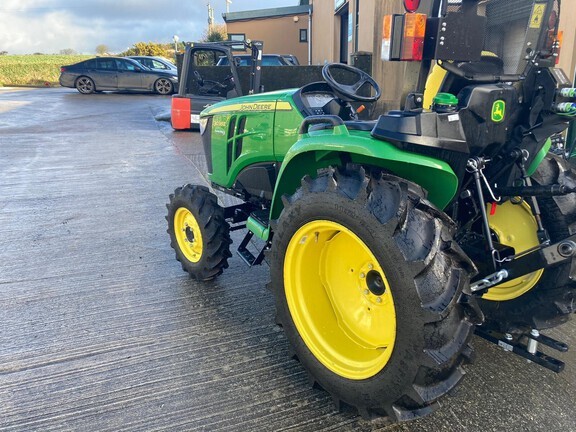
(48, 26)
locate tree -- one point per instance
(148, 49)
(215, 34)
(101, 49)
(67, 51)
(3, 52)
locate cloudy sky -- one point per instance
(48, 26)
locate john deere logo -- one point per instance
(498, 111)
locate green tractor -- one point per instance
(391, 241)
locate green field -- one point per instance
(34, 70)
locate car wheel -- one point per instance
(163, 86)
(85, 85)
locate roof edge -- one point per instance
(266, 13)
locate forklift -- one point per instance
(202, 83)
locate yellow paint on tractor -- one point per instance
(188, 234)
(340, 299)
(514, 226)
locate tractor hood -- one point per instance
(253, 103)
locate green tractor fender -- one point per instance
(321, 149)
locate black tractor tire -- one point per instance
(85, 85)
(426, 273)
(198, 232)
(553, 299)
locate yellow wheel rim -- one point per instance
(339, 299)
(188, 234)
(515, 226)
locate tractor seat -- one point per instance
(441, 81)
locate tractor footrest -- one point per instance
(247, 256)
(261, 216)
(518, 348)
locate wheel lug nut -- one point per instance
(362, 275)
(378, 299)
(366, 292)
(370, 266)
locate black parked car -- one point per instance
(267, 60)
(116, 73)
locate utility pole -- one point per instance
(210, 17)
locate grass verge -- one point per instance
(34, 70)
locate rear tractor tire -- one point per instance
(369, 291)
(198, 232)
(545, 298)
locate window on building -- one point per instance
(303, 35)
(240, 37)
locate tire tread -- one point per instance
(402, 209)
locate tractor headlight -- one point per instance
(203, 123)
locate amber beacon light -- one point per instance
(411, 5)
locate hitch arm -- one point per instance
(548, 256)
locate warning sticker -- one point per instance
(537, 15)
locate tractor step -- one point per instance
(257, 223)
(549, 342)
(529, 352)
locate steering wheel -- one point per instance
(209, 86)
(199, 78)
(350, 92)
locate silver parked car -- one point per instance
(116, 73)
(156, 63)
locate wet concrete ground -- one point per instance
(100, 330)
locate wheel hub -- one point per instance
(189, 234)
(375, 283)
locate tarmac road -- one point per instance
(100, 330)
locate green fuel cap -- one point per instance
(445, 99)
(444, 102)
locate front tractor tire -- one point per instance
(369, 287)
(198, 232)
